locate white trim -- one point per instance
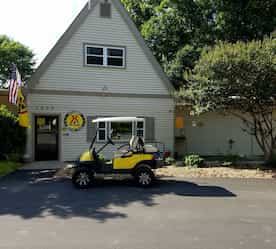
(118, 119)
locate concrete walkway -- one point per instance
(41, 165)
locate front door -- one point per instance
(46, 138)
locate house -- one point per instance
(99, 67)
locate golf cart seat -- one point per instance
(133, 144)
(149, 148)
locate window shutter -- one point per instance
(91, 128)
(150, 129)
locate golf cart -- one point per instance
(135, 158)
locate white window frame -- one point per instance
(144, 129)
(133, 132)
(104, 56)
(94, 55)
(102, 129)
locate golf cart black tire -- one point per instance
(77, 173)
(143, 168)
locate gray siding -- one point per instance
(73, 143)
(68, 72)
(212, 134)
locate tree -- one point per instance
(170, 27)
(183, 62)
(238, 79)
(243, 20)
(14, 52)
(174, 25)
(141, 11)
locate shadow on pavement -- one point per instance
(32, 194)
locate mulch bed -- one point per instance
(210, 171)
(217, 171)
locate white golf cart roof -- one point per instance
(118, 119)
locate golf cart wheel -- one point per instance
(144, 177)
(82, 178)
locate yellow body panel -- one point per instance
(86, 156)
(131, 161)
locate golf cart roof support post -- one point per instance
(102, 148)
(93, 141)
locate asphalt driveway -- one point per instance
(37, 211)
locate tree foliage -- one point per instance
(239, 79)
(140, 11)
(173, 27)
(14, 52)
(244, 20)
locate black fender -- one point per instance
(92, 166)
(151, 163)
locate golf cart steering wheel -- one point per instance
(110, 141)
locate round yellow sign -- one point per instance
(74, 121)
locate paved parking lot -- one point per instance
(37, 211)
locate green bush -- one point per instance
(193, 161)
(12, 136)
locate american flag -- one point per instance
(14, 83)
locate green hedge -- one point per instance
(12, 136)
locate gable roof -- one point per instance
(75, 26)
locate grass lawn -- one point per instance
(7, 167)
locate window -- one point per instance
(120, 131)
(115, 57)
(104, 56)
(102, 131)
(94, 56)
(140, 131)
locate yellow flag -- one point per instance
(23, 115)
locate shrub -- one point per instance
(12, 136)
(193, 161)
